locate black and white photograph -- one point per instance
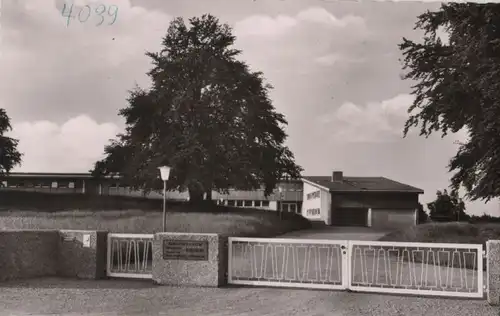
(249, 157)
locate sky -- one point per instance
(334, 66)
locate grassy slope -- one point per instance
(463, 233)
(28, 210)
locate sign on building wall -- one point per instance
(313, 195)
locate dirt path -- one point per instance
(116, 297)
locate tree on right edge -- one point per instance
(457, 86)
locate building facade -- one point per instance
(335, 200)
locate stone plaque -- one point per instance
(196, 250)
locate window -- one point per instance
(248, 203)
(313, 212)
(239, 203)
(63, 184)
(230, 203)
(257, 203)
(292, 208)
(284, 207)
(71, 185)
(265, 203)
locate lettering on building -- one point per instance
(313, 195)
(313, 212)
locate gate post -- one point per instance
(493, 271)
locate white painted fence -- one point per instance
(130, 255)
(366, 266)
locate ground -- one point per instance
(128, 297)
(321, 231)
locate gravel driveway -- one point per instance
(117, 297)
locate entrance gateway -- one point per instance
(444, 269)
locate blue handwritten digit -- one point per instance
(100, 12)
(88, 14)
(114, 14)
(69, 13)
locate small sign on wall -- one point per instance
(86, 240)
(190, 250)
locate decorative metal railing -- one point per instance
(287, 262)
(366, 266)
(416, 268)
(130, 255)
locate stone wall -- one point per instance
(28, 253)
(211, 272)
(41, 253)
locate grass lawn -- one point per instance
(251, 223)
(118, 214)
(462, 233)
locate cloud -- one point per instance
(69, 147)
(336, 59)
(80, 65)
(267, 26)
(374, 122)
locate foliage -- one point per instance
(447, 207)
(458, 88)
(423, 217)
(9, 155)
(207, 116)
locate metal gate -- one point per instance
(130, 256)
(366, 266)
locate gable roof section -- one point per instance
(360, 184)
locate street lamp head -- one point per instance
(164, 172)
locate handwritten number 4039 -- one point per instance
(86, 12)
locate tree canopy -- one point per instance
(447, 207)
(206, 115)
(9, 155)
(457, 87)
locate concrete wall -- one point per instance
(78, 260)
(41, 253)
(28, 254)
(399, 218)
(210, 273)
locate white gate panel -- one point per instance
(443, 269)
(319, 264)
(130, 256)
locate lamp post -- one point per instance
(280, 189)
(165, 174)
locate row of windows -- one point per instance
(247, 203)
(53, 185)
(313, 195)
(313, 212)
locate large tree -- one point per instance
(9, 155)
(207, 115)
(458, 88)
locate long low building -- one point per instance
(335, 200)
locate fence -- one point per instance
(130, 255)
(365, 266)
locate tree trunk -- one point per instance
(195, 196)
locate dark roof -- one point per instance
(362, 184)
(52, 175)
